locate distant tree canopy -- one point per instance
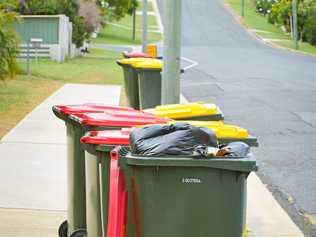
(86, 15)
(8, 41)
(114, 9)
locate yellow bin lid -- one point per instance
(221, 129)
(148, 64)
(131, 61)
(179, 111)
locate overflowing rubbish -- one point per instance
(231, 150)
(174, 139)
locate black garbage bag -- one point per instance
(236, 149)
(175, 139)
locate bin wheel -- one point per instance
(79, 233)
(63, 229)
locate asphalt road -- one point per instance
(272, 92)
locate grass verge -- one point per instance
(260, 26)
(120, 32)
(20, 95)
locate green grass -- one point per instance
(115, 35)
(128, 22)
(120, 32)
(20, 95)
(97, 67)
(149, 6)
(264, 29)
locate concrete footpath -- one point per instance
(33, 173)
(33, 165)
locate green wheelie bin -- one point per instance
(76, 216)
(182, 196)
(98, 145)
(103, 121)
(131, 80)
(78, 120)
(149, 82)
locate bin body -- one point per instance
(131, 86)
(149, 86)
(185, 197)
(97, 179)
(149, 82)
(131, 80)
(97, 165)
(76, 216)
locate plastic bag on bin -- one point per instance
(236, 149)
(175, 139)
(231, 150)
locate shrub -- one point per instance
(280, 14)
(310, 29)
(8, 43)
(307, 20)
(274, 13)
(264, 6)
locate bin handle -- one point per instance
(117, 199)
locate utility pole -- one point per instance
(242, 8)
(170, 93)
(144, 38)
(294, 13)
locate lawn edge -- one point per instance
(259, 38)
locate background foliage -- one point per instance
(8, 41)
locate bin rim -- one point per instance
(88, 107)
(242, 164)
(107, 137)
(112, 120)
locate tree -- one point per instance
(114, 9)
(8, 42)
(132, 11)
(91, 15)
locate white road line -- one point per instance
(193, 63)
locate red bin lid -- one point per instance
(108, 137)
(108, 119)
(89, 107)
(136, 55)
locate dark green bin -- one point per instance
(76, 184)
(131, 80)
(96, 169)
(76, 128)
(149, 82)
(97, 176)
(185, 197)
